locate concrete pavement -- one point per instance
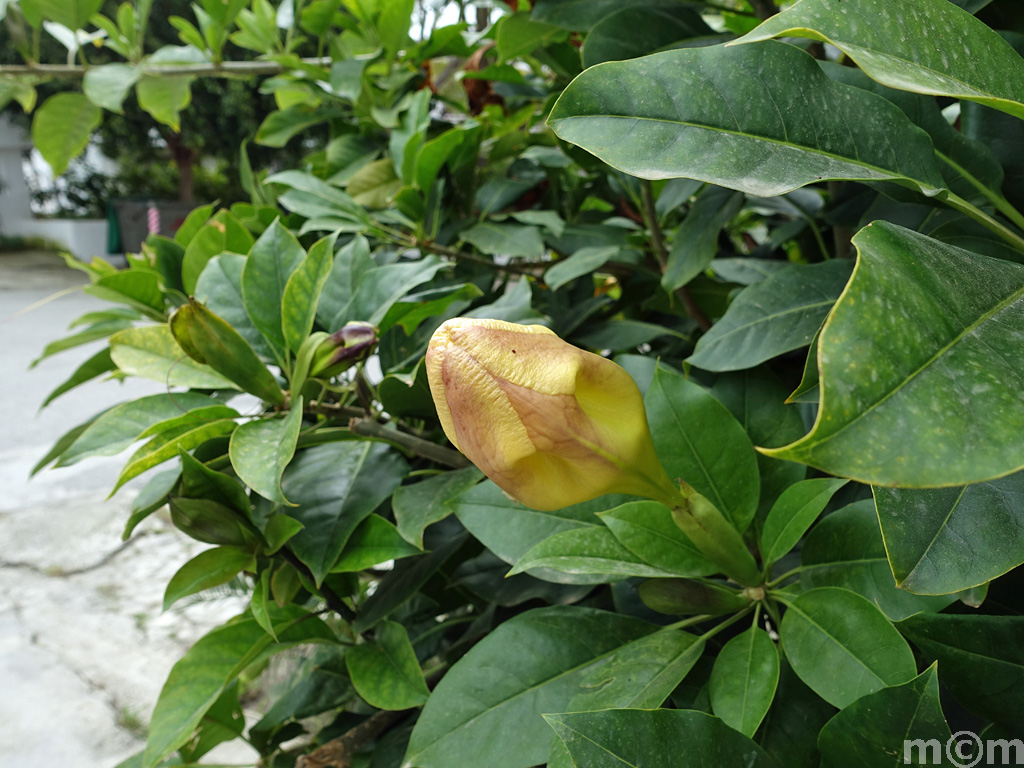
(84, 646)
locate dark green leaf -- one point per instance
(261, 449)
(872, 729)
(209, 568)
(902, 47)
(945, 540)
(591, 551)
(219, 287)
(701, 443)
(271, 262)
(639, 30)
(744, 679)
(981, 658)
(335, 487)
(375, 541)
(794, 512)
(667, 738)
(696, 242)
(775, 315)
(505, 239)
(673, 114)
(646, 529)
(640, 674)
(842, 646)
(421, 504)
(487, 709)
(385, 671)
(845, 549)
(908, 325)
(302, 292)
(200, 676)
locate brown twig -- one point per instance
(471, 258)
(693, 310)
(411, 443)
(340, 751)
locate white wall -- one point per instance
(83, 238)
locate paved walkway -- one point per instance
(84, 646)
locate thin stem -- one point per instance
(416, 445)
(690, 621)
(1001, 203)
(650, 215)
(783, 577)
(222, 69)
(958, 203)
(472, 258)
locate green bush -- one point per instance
(807, 254)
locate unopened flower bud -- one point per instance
(550, 424)
(344, 348)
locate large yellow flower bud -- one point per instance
(550, 424)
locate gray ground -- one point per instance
(84, 646)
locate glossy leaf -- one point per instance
(210, 340)
(375, 541)
(209, 568)
(421, 504)
(790, 731)
(794, 512)
(61, 128)
(668, 115)
(668, 738)
(271, 262)
(639, 30)
(487, 708)
(700, 442)
(335, 487)
(151, 352)
(906, 326)
(505, 239)
(872, 729)
(580, 14)
(696, 242)
(585, 261)
(200, 676)
(219, 287)
(744, 679)
(119, 427)
(757, 398)
(510, 530)
(302, 292)
(640, 674)
(945, 540)
(646, 529)
(591, 550)
(845, 550)
(906, 46)
(261, 449)
(385, 671)
(374, 291)
(167, 444)
(776, 315)
(842, 646)
(980, 657)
